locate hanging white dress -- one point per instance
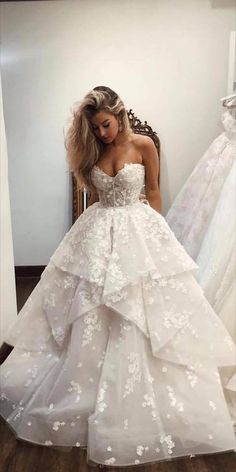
(217, 269)
(117, 349)
(192, 210)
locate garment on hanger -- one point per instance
(207, 229)
(217, 270)
(216, 257)
(192, 210)
(117, 349)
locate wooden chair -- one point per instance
(81, 197)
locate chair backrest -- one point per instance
(81, 197)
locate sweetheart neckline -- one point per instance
(122, 168)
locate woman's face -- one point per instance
(105, 126)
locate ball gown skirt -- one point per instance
(117, 349)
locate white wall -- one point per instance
(166, 59)
(8, 302)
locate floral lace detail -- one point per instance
(56, 425)
(118, 326)
(148, 378)
(93, 323)
(121, 339)
(33, 374)
(168, 440)
(177, 320)
(96, 248)
(191, 375)
(123, 189)
(140, 449)
(101, 404)
(150, 402)
(173, 401)
(59, 334)
(134, 370)
(75, 387)
(110, 461)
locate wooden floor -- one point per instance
(19, 456)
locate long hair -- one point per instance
(82, 145)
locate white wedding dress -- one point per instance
(203, 220)
(117, 349)
(190, 214)
(217, 267)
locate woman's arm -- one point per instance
(152, 169)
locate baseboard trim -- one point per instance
(29, 271)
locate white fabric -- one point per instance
(8, 307)
(216, 258)
(203, 218)
(192, 210)
(117, 349)
(217, 269)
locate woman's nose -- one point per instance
(102, 133)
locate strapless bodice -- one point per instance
(122, 189)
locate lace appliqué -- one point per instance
(134, 370)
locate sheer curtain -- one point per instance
(8, 306)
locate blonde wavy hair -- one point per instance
(82, 145)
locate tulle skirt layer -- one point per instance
(117, 349)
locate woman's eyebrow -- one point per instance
(103, 122)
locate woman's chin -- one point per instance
(107, 141)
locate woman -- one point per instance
(117, 350)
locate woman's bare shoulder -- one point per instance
(140, 141)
